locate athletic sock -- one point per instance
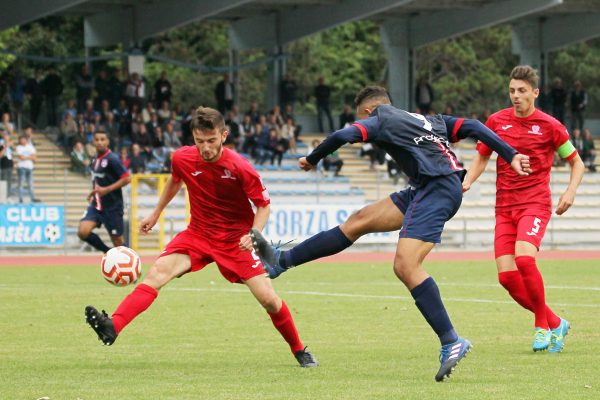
(284, 323)
(133, 305)
(429, 302)
(512, 281)
(97, 243)
(320, 245)
(534, 285)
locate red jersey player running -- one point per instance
(219, 182)
(524, 204)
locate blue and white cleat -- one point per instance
(541, 339)
(450, 355)
(557, 341)
(268, 254)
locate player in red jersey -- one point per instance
(220, 182)
(524, 204)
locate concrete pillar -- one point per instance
(135, 62)
(273, 79)
(396, 40)
(234, 73)
(527, 42)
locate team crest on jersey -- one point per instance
(104, 163)
(227, 174)
(535, 130)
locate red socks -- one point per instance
(133, 305)
(529, 293)
(284, 323)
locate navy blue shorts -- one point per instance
(111, 219)
(427, 208)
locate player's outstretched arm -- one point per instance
(568, 197)
(475, 170)
(333, 142)
(170, 190)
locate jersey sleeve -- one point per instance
(368, 127)
(562, 143)
(481, 147)
(118, 167)
(175, 167)
(253, 185)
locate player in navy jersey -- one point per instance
(421, 147)
(219, 182)
(106, 198)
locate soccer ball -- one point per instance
(121, 266)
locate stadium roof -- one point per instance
(266, 23)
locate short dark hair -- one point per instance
(526, 73)
(206, 118)
(100, 132)
(372, 92)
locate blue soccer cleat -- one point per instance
(557, 341)
(450, 355)
(541, 339)
(268, 254)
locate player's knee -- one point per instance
(271, 303)
(158, 276)
(82, 234)
(357, 224)
(402, 267)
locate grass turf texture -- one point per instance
(207, 339)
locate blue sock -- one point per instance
(320, 245)
(97, 243)
(429, 302)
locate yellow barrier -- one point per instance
(155, 241)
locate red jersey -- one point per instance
(219, 192)
(537, 136)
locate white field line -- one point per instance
(379, 297)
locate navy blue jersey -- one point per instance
(106, 170)
(419, 144)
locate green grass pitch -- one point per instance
(207, 339)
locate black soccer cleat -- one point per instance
(268, 254)
(450, 355)
(306, 359)
(101, 324)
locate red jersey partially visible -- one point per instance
(537, 136)
(219, 193)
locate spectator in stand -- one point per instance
(26, 156)
(6, 160)
(6, 125)
(589, 150)
(35, 93)
(102, 85)
(322, 95)
(287, 92)
(424, 96)
(138, 160)
(124, 157)
(135, 91)
(346, 117)
(263, 144)
(89, 113)
(68, 131)
(80, 159)
(157, 137)
(578, 101)
(52, 87)
(152, 125)
(168, 166)
(84, 84)
(104, 110)
(277, 145)
(159, 157)
(164, 112)
(171, 137)
(116, 89)
(544, 100)
(233, 139)
(287, 132)
(333, 161)
(277, 117)
(558, 94)
(162, 90)
(253, 112)
(112, 129)
(123, 118)
(143, 139)
(28, 132)
(248, 134)
(147, 113)
(224, 94)
(577, 140)
(71, 109)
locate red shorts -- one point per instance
(528, 225)
(234, 264)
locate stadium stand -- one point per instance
(472, 227)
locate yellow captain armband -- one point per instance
(566, 149)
